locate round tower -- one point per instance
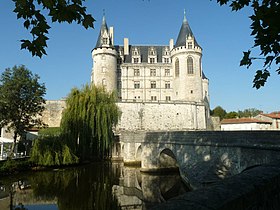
(104, 55)
(186, 61)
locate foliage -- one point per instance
(219, 112)
(87, 121)
(51, 131)
(52, 151)
(35, 14)
(21, 100)
(251, 112)
(246, 113)
(11, 166)
(231, 115)
(266, 31)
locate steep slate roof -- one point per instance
(243, 120)
(185, 31)
(103, 28)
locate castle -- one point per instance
(158, 87)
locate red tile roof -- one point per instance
(274, 115)
(243, 120)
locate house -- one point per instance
(273, 117)
(245, 124)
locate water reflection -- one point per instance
(99, 186)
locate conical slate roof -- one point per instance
(185, 31)
(103, 28)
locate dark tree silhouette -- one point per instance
(266, 31)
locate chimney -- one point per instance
(126, 46)
(111, 34)
(171, 44)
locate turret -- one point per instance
(104, 55)
(186, 61)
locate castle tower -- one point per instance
(186, 61)
(104, 55)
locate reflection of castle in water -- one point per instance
(138, 190)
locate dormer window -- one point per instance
(166, 55)
(136, 55)
(190, 45)
(105, 40)
(152, 58)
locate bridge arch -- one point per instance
(167, 159)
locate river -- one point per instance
(99, 186)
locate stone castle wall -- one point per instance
(143, 116)
(53, 113)
(161, 116)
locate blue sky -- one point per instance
(222, 34)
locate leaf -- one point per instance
(246, 60)
(26, 24)
(88, 21)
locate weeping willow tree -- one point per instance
(87, 121)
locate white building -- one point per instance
(158, 87)
(244, 124)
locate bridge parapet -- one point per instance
(202, 156)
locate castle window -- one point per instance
(168, 98)
(190, 65)
(103, 57)
(152, 60)
(153, 72)
(166, 60)
(105, 40)
(167, 85)
(104, 83)
(190, 45)
(177, 68)
(136, 72)
(153, 98)
(136, 84)
(103, 69)
(119, 61)
(167, 72)
(135, 60)
(153, 84)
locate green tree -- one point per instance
(88, 120)
(266, 31)
(21, 100)
(219, 112)
(36, 13)
(231, 115)
(251, 112)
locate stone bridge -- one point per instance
(202, 157)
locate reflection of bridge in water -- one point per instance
(137, 190)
